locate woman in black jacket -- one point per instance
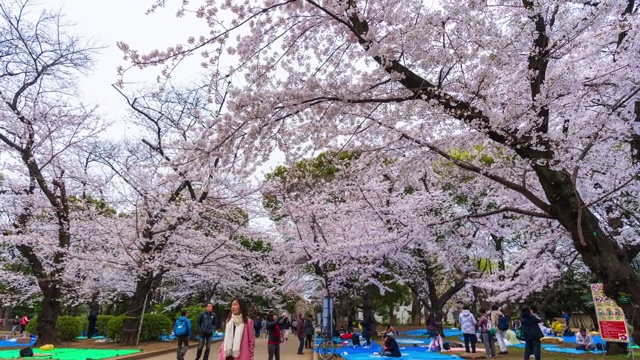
(531, 332)
(391, 348)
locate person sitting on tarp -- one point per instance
(391, 348)
(584, 341)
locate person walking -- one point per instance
(275, 336)
(308, 331)
(207, 324)
(468, 324)
(530, 328)
(286, 327)
(15, 324)
(263, 331)
(487, 336)
(23, 323)
(496, 317)
(301, 333)
(239, 341)
(182, 331)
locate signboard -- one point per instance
(613, 326)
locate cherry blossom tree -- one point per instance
(551, 85)
(185, 220)
(41, 122)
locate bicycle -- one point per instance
(326, 349)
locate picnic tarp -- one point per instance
(14, 342)
(71, 354)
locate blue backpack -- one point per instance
(180, 329)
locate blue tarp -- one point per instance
(565, 350)
(407, 353)
(14, 342)
(413, 341)
(425, 332)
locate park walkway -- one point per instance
(288, 351)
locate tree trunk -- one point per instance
(51, 309)
(367, 306)
(601, 253)
(415, 309)
(144, 288)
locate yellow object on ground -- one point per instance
(594, 333)
(47, 347)
(551, 340)
(510, 336)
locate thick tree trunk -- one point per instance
(144, 289)
(367, 306)
(51, 309)
(416, 308)
(601, 253)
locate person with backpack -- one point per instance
(182, 331)
(484, 325)
(501, 322)
(207, 324)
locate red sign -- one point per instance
(614, 330)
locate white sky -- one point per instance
(108, 22)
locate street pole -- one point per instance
(144, 308)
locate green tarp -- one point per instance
(69, 354)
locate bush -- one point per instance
(84, 323)
(103, 323)
(68, 327)
(153, 326)
(32, 326)
(114, 327)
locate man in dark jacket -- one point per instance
(275, 336)
(391, 348)
(300, 333)
(308, 331)
(93, 320)
(207, 324)
(366, 330)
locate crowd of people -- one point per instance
(490, 325)
(240, 333)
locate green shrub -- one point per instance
(114, 327)
(153, 326)
(84, 323)
(32, 326)
(68, 327)
(103, 323)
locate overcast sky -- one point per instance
(110, 21)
